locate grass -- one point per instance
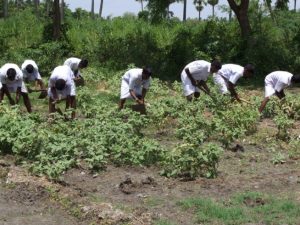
(250, 207)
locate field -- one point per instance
(211, 161)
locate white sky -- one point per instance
(119, 7)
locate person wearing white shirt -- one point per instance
(61, 86)
(227, 77)
(11, 78)
(135, 83)
(194, 76)
(31, 73)
(76, 65)
(275, 83)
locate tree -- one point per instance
(62, 11)
(101, 8)
(199, 6)
(93, 9)
(5, 8)
(241, 12)
(36, 6)
(142, 5)
(56, 20)
(282, 4)
(295, 5)
(159, 9)
(213, 3)
(184, 10)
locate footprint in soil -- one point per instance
(250, 202)
(128, 186)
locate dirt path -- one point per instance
(139, 195)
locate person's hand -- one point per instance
(194, 82)
(139, 101)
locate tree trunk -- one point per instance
(295, 5)
(184, 10)
(56, 20)
(93, 9)
(241, 12)
(36, 7)
(62, 11)
(230, 14)
(5, 8)
(213, 11)
(101, 8)
(142, 5)
(48, 7)
(199, 15)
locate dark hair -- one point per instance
(29, 68)
(11, 74)
(83, 63)
(250, 68)
(147, 71)
(60, 84)
(216, 63)
(296, 78)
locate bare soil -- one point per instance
(139, 195)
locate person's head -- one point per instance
(83, 64)
(215, 65)
(60, 84)
(296, 78)
(11, 74)
(29, 68)
(248, 70)
(147, 72)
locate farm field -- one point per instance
(211, 161)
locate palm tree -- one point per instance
(93, 9)
(62, 11)
(199, 6)
(142, 5)
(5, 8)
(213, 3)
(56, 20)
(101, 8)
(295, 5)
(184, 10)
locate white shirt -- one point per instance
(35, 75)
(279, 80)
(231, 72)
(61, 72)
(3, 75)
(199, 69)
(72, 63)
(134, 79)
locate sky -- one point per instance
(119, 7)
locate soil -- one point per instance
(139, 195)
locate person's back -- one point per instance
(283, 77)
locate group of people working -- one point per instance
(61, 85)
(135, 82)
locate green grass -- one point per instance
(244, 208)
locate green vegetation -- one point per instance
(244, 208)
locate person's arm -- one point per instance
(54, 94)
(203, 86)
(188, 73)
(6, 92)
(263, 104)
(280, 94)
(133, 95)
(18, 94)
(144, 92)
(41, 84)
(232, 91)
